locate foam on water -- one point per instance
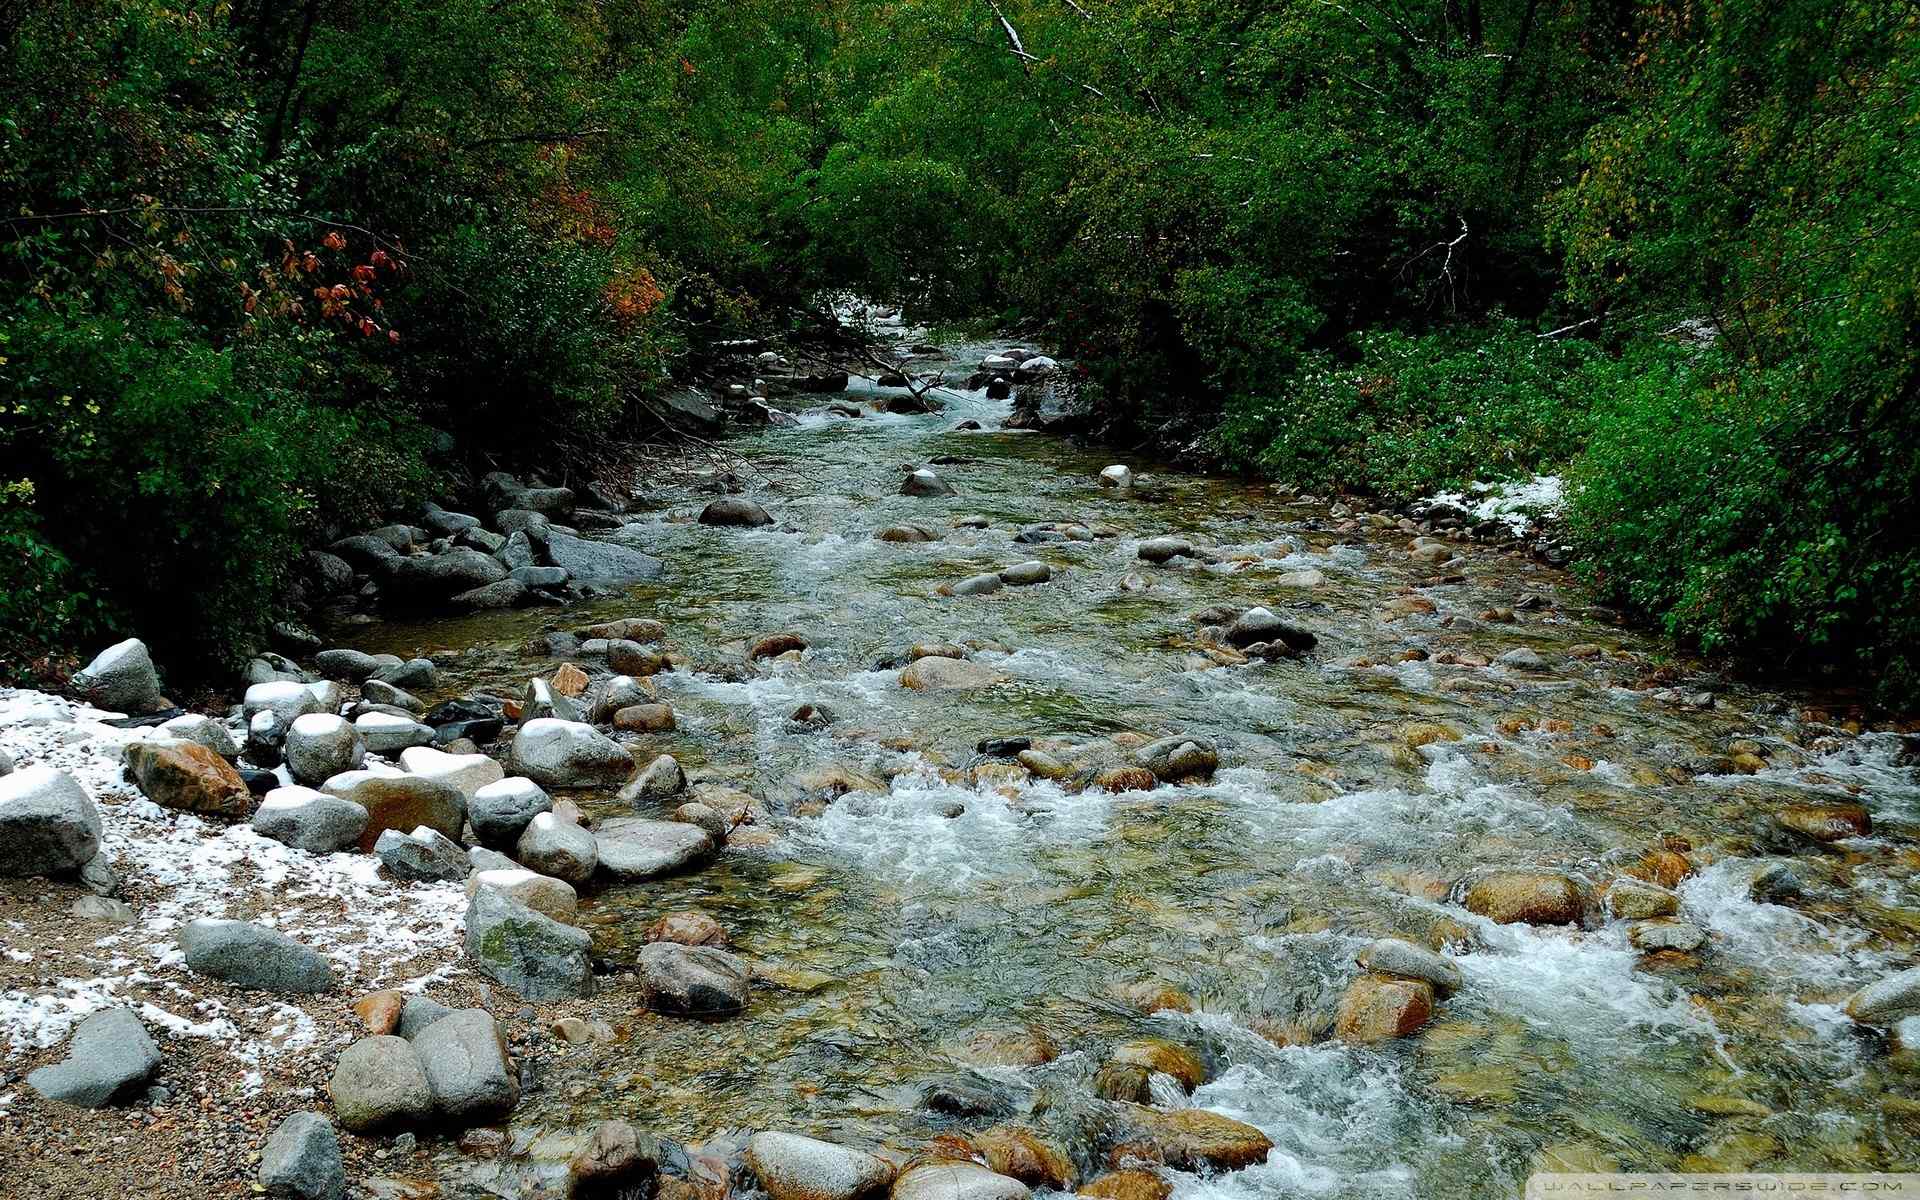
(1782, 943)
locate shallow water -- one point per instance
(893, 935)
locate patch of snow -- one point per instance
(1519, 504)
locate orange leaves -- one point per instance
(352, 301)
(633, 294)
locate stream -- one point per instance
(924, 916)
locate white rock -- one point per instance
(1117, 476)
(385, 733)
(468, 772)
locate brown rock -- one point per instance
(1168, 1058)
(1827, 822)
(1532, 897)
(774, 645)
(189, 777)
(1637, 899)
(1192, 1139)
(1377, 1008)
(644, 718)
(615, 1153)
(1153, 995)
(688, 928)
(627, 658)
(1123, 1081)
(1664, 867)
(1128, 1185)
(379, 1011)
(1019, 1153)
(937, 674)
(626, 629)
(569, 680)
(1004, 1049)
(1126, 779)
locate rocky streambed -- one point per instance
(952, 813)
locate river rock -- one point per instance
(1521, 659)
(48, 823)
(467, 772)
(378, 1083)
(658, 780)
(635, 848)
(734, 510)
(302, 1160)
(1654, 936)
(1529, 897)
(1393, 956)
(400, 802)
(387, 734)
(923, 482)
(644, 718)
(937, 674)
(465, 1058)
(417, 1014)
(1826, 823)
(501, 811)
(431, 577)
(320, 745)
(445, 523)
(555, 847)
(194, 727)
(309, 820)
(527, 952)
(352, 666)
(1196, 1139)
(616, 1159)
(1261, 625)
(423, 856)
(253, 956)
(1026, 574)
(688, 928)
(555, 753)
(956, 1181)
(109, 1056)
(1116, 476)
(1377, 1007)
(1885, 1002)
(189, 777)
(1165, 1057)
(983, 584)
(692, 981)
(1128, 1183)
(1183, 756)
(1636, 899)
(905, 534)
(601, 562)
(286, 700)
(792, 1167)
(542, 893)
(1164, 549)
(122, 679)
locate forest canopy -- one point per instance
(272, 269)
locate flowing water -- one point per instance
(909, 931)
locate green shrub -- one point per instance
(1417, 414)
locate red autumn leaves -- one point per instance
(350, 299)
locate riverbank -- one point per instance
(1036, 805)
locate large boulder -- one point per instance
(302, 1160)
(433, 577)
(1191, 1139)
(189, 777)
(320, 746)
(1261, 625)
(423, 856)
(48, 823)
(378, 1083)
(253, 956)
(400, 802)
(1377, 1007)
(558, 848)
(1180, 757)
(957, 1181)
(532, 955)
(352, 666)
(1525, 897)
(468, 772)
(558, 754)
(601, 562)
(1886, 1002)
(940, 674)
(923, 482)
(792, 1167)
(109, 1056)
(693, 981)
(309, 820)
(465, 1057)
(286, 700)
(389, 733)
(734, 510)
(501, 811)
(542, 893)
(1393, 956)
(1164, 549)
(635, 848)
(121, 678)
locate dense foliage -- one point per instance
(1386, 245)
